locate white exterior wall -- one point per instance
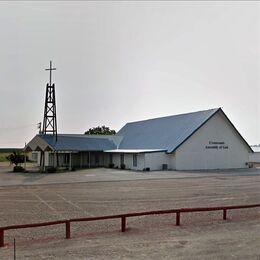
(116, 159)
(128, 161)
(171, 161)
(140, 162)
(155, 160)
(46, 158)
(193, 155)
(39, 158)
(254, 157)
(128, 158)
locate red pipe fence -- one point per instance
(123, 218)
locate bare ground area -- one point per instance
(30, 198)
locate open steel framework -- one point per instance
(50, 117)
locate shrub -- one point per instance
(16, 158)
(18, 169)
(122, 166)
(51, 169)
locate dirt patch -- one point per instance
(200, 236)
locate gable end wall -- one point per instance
(216, 145)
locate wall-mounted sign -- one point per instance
(216, 145)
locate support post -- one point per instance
(224, 214)
(178, 218)
(2, 238)
(43, 159)
(67, 229)
(81, 160)
(123, 224)
(14, 250)
(57, 162)
(88, 159)
(70, 162)
(24, 154)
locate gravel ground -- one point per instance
(200, 236)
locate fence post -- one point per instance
(2, 238)
(123, 224)
(67, 229)
(178, 218)
(224, 214)
(14, 249)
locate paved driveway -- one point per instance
(7, 177)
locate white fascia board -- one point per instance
(135, 151)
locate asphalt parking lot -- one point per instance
(32, 197)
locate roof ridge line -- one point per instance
(150, 119)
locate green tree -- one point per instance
(100, 130)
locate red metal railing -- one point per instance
(123, 218)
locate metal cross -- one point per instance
(50, 69)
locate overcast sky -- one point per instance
(127, 61)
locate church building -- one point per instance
(194, 141)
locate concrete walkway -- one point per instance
(9, 178)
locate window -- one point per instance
(66, 158)
(35, 156)
(122, 158)
(135, 160)
(96, 159)
(51, 159)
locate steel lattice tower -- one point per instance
(50, 118)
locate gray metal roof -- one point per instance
(78, 142)
(163, 133)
